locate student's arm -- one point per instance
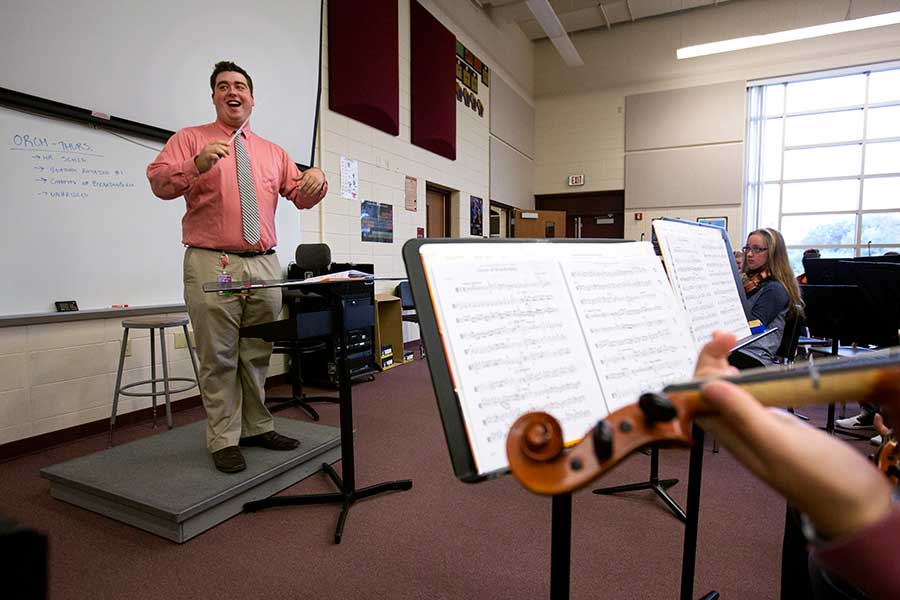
(832, 483)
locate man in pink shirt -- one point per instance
(229, 230)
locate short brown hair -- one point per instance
(226, 65)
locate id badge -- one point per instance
(224, 278)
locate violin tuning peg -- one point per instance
(603, 440)
(657, 408)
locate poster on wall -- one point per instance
(376, 222)
(349, 179)
(420, 232)
(410, 193)
(476, 207)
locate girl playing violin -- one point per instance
(772, 294)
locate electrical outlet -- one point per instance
(180, 340)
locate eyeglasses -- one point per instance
(754, 249)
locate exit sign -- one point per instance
(576, 180)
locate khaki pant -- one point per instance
(232, 369)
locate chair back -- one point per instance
(405, 293)
(312, 259)
(791, 338)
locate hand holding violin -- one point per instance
(832, 483)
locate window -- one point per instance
(823, 162)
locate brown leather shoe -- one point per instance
(271, 441)
(229, 460)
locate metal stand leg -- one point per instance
(165, 370)
(560, 546)
(689, 553)
(115, 405)
(153, 373)
(190, 347)
(654, 483)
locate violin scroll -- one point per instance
(540, 461)
(541, 436)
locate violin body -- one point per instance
(887, 458)
(541, 463)
(752, 282)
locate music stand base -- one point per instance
(659, 486)
(654, 483)
(300, 402)
(346, 498)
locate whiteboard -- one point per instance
(150, 62)
(80, 222)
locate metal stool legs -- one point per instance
(168, 390)
(112, 419)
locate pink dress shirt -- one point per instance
(213, 216)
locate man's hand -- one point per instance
(210, 154)
(828, 480)
(312, 186)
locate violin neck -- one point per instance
(844, 380)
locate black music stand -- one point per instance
(561, 531)
(831, 312)
(347, 493)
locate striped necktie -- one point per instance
(249, 208)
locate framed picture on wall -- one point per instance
(717, 221)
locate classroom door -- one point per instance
(539, 223)
(610, 226)
(437, 213)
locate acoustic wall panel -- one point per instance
(699, 176)
(512, 118)
(708, 114)
(363, 72)
(512, 176)
(432, 83)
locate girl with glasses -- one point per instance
(772, 294)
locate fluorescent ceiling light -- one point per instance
(779, 37)
(549, 22)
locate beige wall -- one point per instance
(62, 375)
(55, 376)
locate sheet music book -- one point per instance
(701, 268)
(571, 328)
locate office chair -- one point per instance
(408, 308)
(310, 260)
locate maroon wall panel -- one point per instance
(363, 76)
(433, 83)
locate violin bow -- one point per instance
(540, 461)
